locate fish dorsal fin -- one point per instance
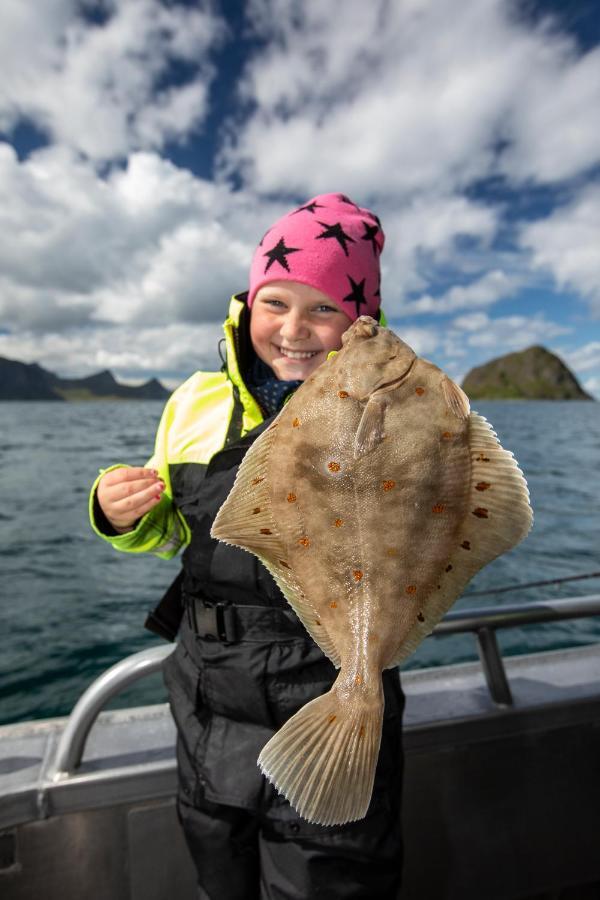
(455, 397)
(246, 520)
(370, 432)
(498, 516)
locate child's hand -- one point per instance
(125, 495)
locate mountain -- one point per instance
(29, 381)
(532, 374)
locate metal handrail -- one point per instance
(515, 614)
(482, 621)
(70, 748)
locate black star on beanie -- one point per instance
(310, 207)
(369, 235)
(279, 253)
(357, 294)
(345, 199)
(336, 231)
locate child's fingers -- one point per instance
(125, 513)
(145, 507)
(123, 474)
(127, 494)
(141, 486)
(127, 500)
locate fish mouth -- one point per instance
(395, 382)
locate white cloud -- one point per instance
(141, 352)
(484, 291)
(472, 322)
(554, 130)
(405, 106)
(150, 243)
(584, 358)
(424, 341)
(506, 333)
(474, 338)
(421, 235)
(97, 87)
(592, 386)
(567, 243)
(397, 98)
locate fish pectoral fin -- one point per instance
(323, 759)
(370, 432)
(456, 399)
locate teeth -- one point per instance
(293, 354)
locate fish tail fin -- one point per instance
(323, 759)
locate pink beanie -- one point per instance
(331, 244)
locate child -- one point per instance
(244, 664)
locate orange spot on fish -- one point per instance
(389, 485)
(358, 679)
(482, 458)
(449, 567)
(291, 498)
(295, 423)
(480, 512)
(357, 574)
(446, 435)
(411, 589)
(420, 617)
(338, 523)
(266, 531)
(255, 510)
(317, 621)
(419, 391)
(466, 545)
(438, 508)
(334, 466)
(258, 480)
(391, 551)
(283, 563)
(361, 731)
(304, 542)
(482, 486)
(331, 718)
(343, 394)
(333, 604)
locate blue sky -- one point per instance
(145, 147)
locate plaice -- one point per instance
(373, 498)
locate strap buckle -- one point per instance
(215, 622)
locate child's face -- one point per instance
(293, 327)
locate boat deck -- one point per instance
(512, 790)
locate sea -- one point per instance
(71, 606)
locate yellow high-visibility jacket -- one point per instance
(206, 412)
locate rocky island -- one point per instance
(29, 381)
(531, 374)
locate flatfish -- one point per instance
(372, 498)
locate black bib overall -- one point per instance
(228, 697)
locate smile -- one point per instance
(296, 354)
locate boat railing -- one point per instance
(483, 622)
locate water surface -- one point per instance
(72, 606)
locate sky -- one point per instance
(147, 145)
